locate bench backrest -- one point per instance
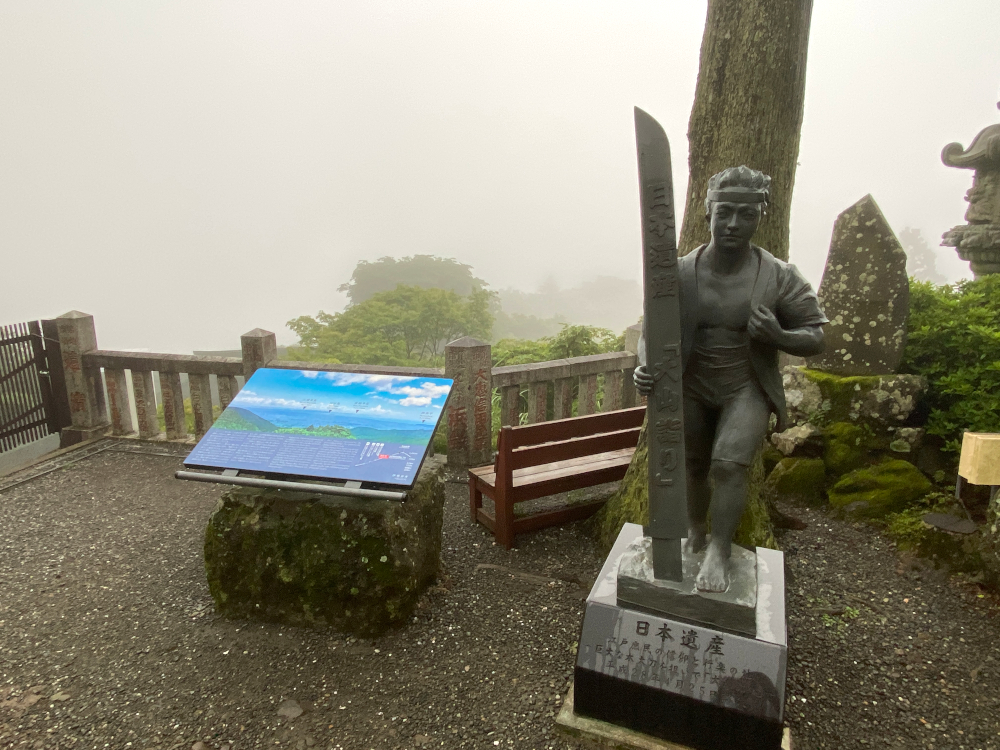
(564, 439)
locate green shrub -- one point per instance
(954, 341)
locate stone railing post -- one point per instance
(259, 347)
(629, 396)
(468, 362)
(84, 387)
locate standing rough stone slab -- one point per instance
(865, 294)
(358, 566)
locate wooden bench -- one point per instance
(547, 458)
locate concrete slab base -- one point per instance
(597, 733)
(73, 435)
(25, 455)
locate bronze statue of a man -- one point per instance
(739, 306)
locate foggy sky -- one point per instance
(188, 171)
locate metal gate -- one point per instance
(28, 411)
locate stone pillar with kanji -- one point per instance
(470, 413)
(84, 385)
(259, 348)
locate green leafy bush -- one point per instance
(954, 341)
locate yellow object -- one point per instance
(980, 460)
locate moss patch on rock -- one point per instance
(844, 447)
(960, 553)
(879, 401)
(317, 560)
(876, 491)
(801, 480)
(630, 504)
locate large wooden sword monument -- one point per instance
(684, 635)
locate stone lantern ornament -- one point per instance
(978, 241)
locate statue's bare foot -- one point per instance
(712, 576)
(695, 542)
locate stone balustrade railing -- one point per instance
(119, 367)
(560, 376)
(99, 405)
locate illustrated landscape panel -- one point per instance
(329, 425)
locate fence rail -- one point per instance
(115, 391)
(425, 372)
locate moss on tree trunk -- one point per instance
(631, 504)
(748, 108)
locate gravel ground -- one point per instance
(108, 638)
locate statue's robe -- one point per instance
(779, 287)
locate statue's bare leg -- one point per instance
(699, 431)
(698, 499)
(728, 500)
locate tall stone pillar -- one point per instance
(84, 386)
(259, 348)
(468, 362)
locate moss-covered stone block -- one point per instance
(879, 401)
(876, 491)
(959, 553)
(322, 560)
(630, 504)
(801, 480)
(990, 542)
(845, 447)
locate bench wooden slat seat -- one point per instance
(545, 459)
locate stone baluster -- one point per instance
(467, 361)
(586, 402)
(201, 403)
(629, 394)
(538, 396)
(612, 391)
(630, 397)
(510, 406)
(145, 404)
(173, 405)
(228, 388)
(118, 402)
(563, 398)
(85, 391)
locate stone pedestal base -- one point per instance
(599, 733)
(692, 684)
(356, 565)
(733, 610)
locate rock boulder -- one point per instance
(322, 560)
(876, 491)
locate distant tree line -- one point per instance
(404, 311)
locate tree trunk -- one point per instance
(748, 108)
(630, 504)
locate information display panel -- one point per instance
(327, 425)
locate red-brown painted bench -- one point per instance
(547, 458)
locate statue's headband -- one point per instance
(737, 195)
